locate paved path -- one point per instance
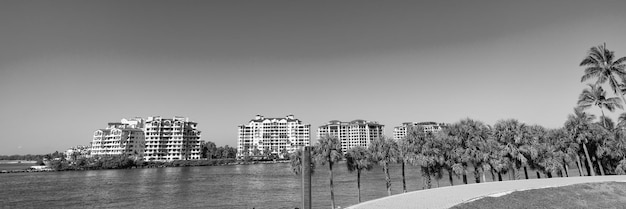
(446, 197)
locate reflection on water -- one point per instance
(237, 186)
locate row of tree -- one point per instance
(507, 147)
(471, 146)
(210, 151)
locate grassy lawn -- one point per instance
(589, 195)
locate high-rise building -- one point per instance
(156, 139)
(353, 133)
(171, 139)
(400, 132)
(272, 136)
(118, 139)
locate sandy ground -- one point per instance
(446, 197)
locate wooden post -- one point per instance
(306, 177)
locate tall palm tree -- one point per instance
(596, 96)
(577, 126)
(470, 137)
(295, 160)
(384, 151)
(328, 151)
(511, 135)
(404, 148)
(600, 63)
(358, 159)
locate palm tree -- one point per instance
(596, 96)
(600, 64)
(328, 151)
(295, 160)
(470, 137)
(621, 121)
(511, 135)
(357, 159)
(384, 151)
(404, 148)
(577, 126)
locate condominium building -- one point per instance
(272, 136)
(400, 132)
(353, 133)
(123, 138)
(169, 139)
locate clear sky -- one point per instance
(69, 67)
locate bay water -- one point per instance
(234, 186)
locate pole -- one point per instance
(306, 177)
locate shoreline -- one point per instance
(150, 165)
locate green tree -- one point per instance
(384, 151)
(328, 151)
(404, 150)
(470, 138)
(295, 160)
(578, 125)
(358, 159)
(511, 135)
(596, 96)
(600, 63)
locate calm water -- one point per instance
(237, 186)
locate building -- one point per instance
(400, 132)
(118, 138)
(171, 139)
(272, 136)
(78, 152)
(156, 139)
(353, 133)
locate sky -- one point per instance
(68, 68)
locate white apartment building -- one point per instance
(118, 139)
(273, 135)
(400, 132)
(171, 139)
(353, 133)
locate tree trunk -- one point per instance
(600, 165)
(549, 174)
(566, 168)
(493, 176)
(358, 182)
(525, 172)
(513, 174)
(464, 178)
(593, 173)
(403, 179)
(450, 177)
(426, 174)
(476, 175)
(332, 193)
(387, 178)
(579, 165)
(499, 176)
(484, 178)
(538, 175)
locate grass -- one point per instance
(588, 195)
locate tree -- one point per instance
(404, 148)
(470, 139)
(358, 159)
(384, 151)
(511, 135)
(328, 151)
(577, 125)
(596, 96)
(600, 63)
(208, 149)
(295, 160)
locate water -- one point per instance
(237, 186)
